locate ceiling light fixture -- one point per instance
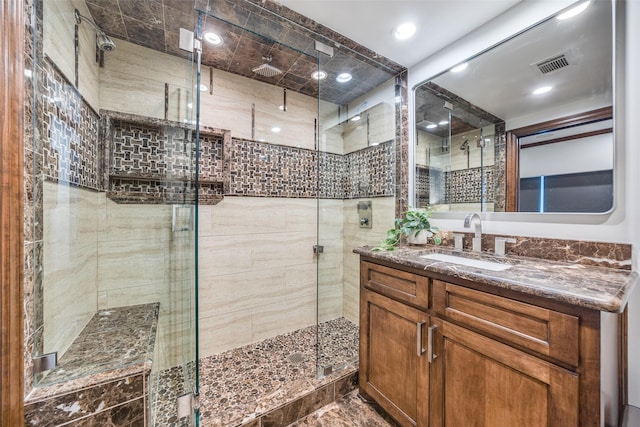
(460, 67)
(213, 38)
(574, 11)
(542, 90)
(319, 75)
(343, 77)
(443, 122)
(404, 31)
(432, 126)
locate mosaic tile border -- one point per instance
(261, 169)
(69, 131)
(459, 186)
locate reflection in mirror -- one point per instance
(471, 123)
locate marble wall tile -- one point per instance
(224, 332)
(89, 402)
(69, 265)
(248, 215)
(301, 407)
(285, 316)
(300, 214)
(131, 263)
(224, 255)
(241, 291)
(131, 413)
(134, 222)
(300, 281)
(383, 216)
(70, 298)
(58, 35)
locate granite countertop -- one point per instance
(598, 288)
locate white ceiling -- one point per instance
(371, 22)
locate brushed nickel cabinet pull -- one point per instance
(419, 347)
(430, 354)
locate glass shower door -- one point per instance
(114, 190)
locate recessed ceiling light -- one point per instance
(343, 77)
(275, 129)
(213, 38)
(432, 126)
(574, 11)
(443, 122)
(319, 75)
(404, 31)
(460, 67)
(542, 90)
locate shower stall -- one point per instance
(196, 200)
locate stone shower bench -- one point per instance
(103, 376)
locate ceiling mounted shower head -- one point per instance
(103, 41)
(266, 69)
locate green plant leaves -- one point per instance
(413, 221)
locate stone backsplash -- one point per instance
(597, 254)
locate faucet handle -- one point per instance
(501, 243)
(457, 241)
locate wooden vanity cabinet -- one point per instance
(495, 360)
(394, 370)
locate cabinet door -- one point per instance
(394, 370)
(482, 382)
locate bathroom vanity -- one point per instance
(527, 342)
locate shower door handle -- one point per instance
(419, 347)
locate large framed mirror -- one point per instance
(525, 126)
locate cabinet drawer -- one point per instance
(397, 284)
(535, 328)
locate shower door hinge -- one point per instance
(318, 249)
(45, 362)
(187, 404)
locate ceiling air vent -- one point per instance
(552, 64)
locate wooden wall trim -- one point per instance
(11, 211)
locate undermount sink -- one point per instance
(470, 262)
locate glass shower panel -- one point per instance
(356, 200)
(114, 184)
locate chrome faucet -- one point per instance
(477, 239)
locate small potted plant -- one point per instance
(417, 228)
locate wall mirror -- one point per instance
(525, 126)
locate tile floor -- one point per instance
(348, 411)
(240, 386)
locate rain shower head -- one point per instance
(267, 69)
(103, 41)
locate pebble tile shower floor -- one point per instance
(242, 384)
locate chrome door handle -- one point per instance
(430, 354)
(419, 347)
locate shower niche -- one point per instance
(152, 161)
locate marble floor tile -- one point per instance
(348, 411)
(240, 385)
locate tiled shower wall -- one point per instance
(122, 254)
